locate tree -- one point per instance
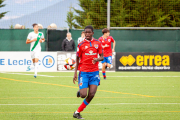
(128, 13)
(2, 5)
(94, 12)
(70, 18)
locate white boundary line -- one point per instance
(93, 104)
(101, 76)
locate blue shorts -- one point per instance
(88, 78)
(107, 60)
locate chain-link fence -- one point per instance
(79, 13)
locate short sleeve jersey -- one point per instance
(107, 42)
(33, 35)
(80, 39)
(87, 51)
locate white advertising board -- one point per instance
(21, 62)
(62, 56)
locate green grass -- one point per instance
(53, 101)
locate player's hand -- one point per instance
(112, 50)
(75, 78)
(42, 40)
(94, 60)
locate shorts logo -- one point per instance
(110, 60)
(127, 60)
(97, 76)
(81, 83)
(48, 61)
(96, 46)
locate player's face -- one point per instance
(108, 33)
(36, 28)
(88, 34)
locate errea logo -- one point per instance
(146, 60)
(127, 60)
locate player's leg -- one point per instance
(35, 67)
(78, 92)
(109, 61)
(83, 85)
(93, 82)
(91, 93)
(36, 57)
(34, 61)
(104, 68)
(87, 100)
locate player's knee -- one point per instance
(109, 65)
(103, 65)
(83, 95)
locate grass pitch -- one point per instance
(123, 96)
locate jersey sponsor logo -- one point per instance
(90, 53)
(96, 46)
(48, 61)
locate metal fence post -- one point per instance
(108, 14)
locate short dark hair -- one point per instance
(82, 32)
(89, 27)
(105, 30)
(34, 24)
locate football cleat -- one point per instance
(35, 76)
(77, 115)
(104, 78)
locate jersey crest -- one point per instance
(96, 46)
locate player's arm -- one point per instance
(114, 44)
(78, 54)
(30, 41)
(76, 68)
(101, 58)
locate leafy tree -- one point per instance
(70, 18)
(2, 5)
(128, 13)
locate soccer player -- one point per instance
(87, 52)
(106, 44)
(35, 38)
(80, 39)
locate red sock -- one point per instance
(104, 73)
(82, 106)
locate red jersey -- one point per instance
(107, 42)
(87, 51)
